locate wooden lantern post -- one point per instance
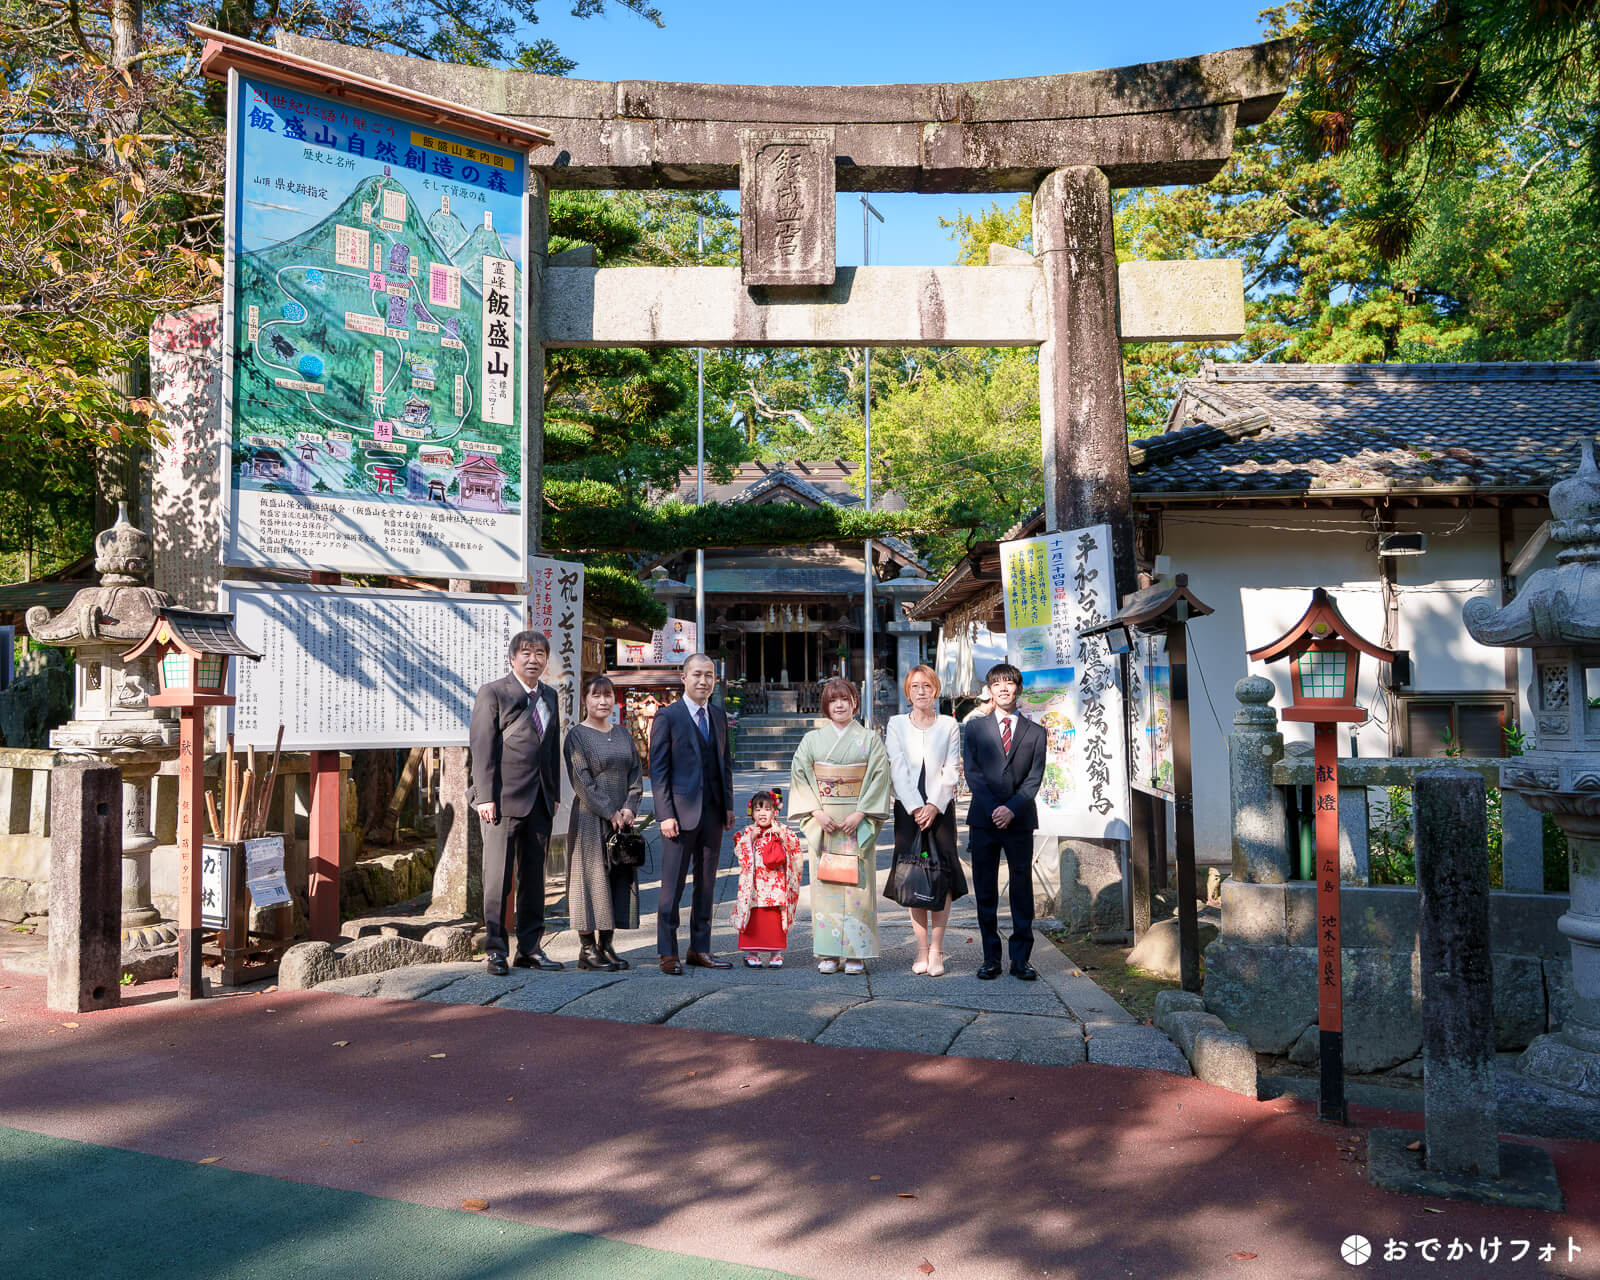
(1325, 656)
(191, 650)
(1166, 609)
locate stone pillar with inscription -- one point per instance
(786, 206)
(1082, 416)
(185, 481)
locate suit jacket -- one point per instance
(999, 779)
(677, 788)
(512, 763)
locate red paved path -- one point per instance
(755, 1151)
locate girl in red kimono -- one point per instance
(769, 883)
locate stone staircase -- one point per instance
(769, 741)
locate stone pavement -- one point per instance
(1061, 1020)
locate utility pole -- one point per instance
(700, 641)
(868, 623)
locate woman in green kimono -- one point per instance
(840, 789)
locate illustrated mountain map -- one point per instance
(377, 295)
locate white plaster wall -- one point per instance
(1258, 573)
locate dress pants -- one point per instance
(701, 850)
(987, 845)
(518, 843)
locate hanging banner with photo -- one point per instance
(555, 607)
(374, 320)
(665, 648)
(1150, 714)
(1054, 587)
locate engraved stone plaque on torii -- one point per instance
(1067, 139)
(786, 206)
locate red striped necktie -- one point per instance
(1005, 734)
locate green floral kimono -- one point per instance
(844, 918)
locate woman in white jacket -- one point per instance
(924, 756)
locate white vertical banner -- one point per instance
(1055, 586)
(555, 607)
(499, 351)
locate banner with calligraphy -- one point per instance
(1150, 714)
(665, 648)
(1054, 587)
(348, 667)
(555, 607)
(373, 327)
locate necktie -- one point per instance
(538, 712)
(1005, 734)
(701, 724)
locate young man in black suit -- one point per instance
(1003, 755)
(515, 741)
(691, 786)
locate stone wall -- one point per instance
(1260, 972)
(25, 828)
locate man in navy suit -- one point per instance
(1003, 755)
(691, 786)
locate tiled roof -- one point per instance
(207, 632)
(1396, 427)
(818, 482)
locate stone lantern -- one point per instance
(909, 634)
(1557, 615)
(112, 717)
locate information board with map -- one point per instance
(373, 414)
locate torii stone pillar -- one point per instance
(1082, 417)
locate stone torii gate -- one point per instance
(1068, 139)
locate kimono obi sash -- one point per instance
(839, 781)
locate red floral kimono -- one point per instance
(764, 911)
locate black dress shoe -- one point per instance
(989, 972)
(672, 965)
(594, 958)
(496, 965)
(1025, 971)
(708, 960)
(537, 960)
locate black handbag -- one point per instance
(920, 880)
(624, 849)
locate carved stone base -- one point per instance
(112, 735)
(1554, 1059)
(149, 935)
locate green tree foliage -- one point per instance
(108, 210)
(962, 445)
(1414, 89)
(1501, 263)
(111, 201)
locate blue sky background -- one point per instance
(826, 42)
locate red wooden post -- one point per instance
(191, 799)
(1324, 654)
(323, 846)
(1330, 966)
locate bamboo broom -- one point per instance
(264, 804)
(241, 817)
(229, 787)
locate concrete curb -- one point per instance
(1216, 1055)
(308, 964)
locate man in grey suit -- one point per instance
(515, 741)
(691, 786)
